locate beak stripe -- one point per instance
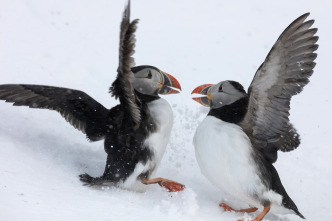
(168, 82)
(209, 96)
(173, 81)
(202, 89)
(202, 100)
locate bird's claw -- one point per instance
(226, 207)
(171, 186)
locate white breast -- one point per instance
(162, 115)
(223, 152)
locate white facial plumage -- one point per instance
(147, 81)
(223, 93)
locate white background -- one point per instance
(74, 44)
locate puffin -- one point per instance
(238, 141)
(135, 132)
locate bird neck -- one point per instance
(232, 113)
(146, 98)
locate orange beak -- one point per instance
(169, 82)
(203, 89)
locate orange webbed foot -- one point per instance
(171, 186)
(228, 208)
(249, 210)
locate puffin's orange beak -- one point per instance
(169, 82)
(203, 89)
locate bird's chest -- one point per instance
(162, 118)
(155, 143)
(223, 152)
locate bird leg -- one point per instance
(170, 185)
(228, 208)
(263, 213)
(249, 210)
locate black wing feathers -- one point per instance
(78, 108)
(122, 87)
(284, 73)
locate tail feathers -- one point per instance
(288, 203)
(91, 181)
(277, 186)
(300, 215)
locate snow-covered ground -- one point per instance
(74, 44)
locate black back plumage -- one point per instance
(124, 144)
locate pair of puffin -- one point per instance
(237, 143)
(135, 132)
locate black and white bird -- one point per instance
(237, 143)
(135, 132)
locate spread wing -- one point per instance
(284, 73)
(78, 108)
(122, 87)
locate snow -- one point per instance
(74, 44)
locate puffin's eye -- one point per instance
(149, 75)
(220, 88)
